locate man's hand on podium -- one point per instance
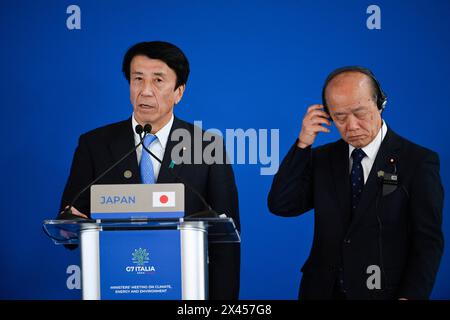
(74, 211)
(71, 214)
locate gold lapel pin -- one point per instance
(127, 174)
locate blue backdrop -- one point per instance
(254, 64)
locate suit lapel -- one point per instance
(121, 142)
(340, 171)
(164, 175)
(389, 147)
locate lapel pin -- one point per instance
(127, 174)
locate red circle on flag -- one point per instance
(163, 199)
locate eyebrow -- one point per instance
(159, 74)
(359, 108)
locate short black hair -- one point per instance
(164, 51)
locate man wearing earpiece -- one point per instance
(377, 198)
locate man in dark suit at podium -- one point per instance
(377, 198)
(157, 73)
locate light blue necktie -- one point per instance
(147, 172)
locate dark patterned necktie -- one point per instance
(357, 177)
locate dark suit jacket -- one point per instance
(399, 232)
(99, 149)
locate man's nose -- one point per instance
(352, 123)
(147, 89)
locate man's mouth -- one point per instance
(146, 106)
(355, 137)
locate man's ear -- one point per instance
(179, 93)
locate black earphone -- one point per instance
(381, 96)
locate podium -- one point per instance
(143, 258)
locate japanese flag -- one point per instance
(164, 199)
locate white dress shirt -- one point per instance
(157, 147)
(370, 150)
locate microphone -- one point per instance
(148, 129)
(208, 212)
(389, 182)
(388, 178)
(67, 213)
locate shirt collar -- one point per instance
(162, 134)
(372, 148)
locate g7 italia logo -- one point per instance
(140, 257)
